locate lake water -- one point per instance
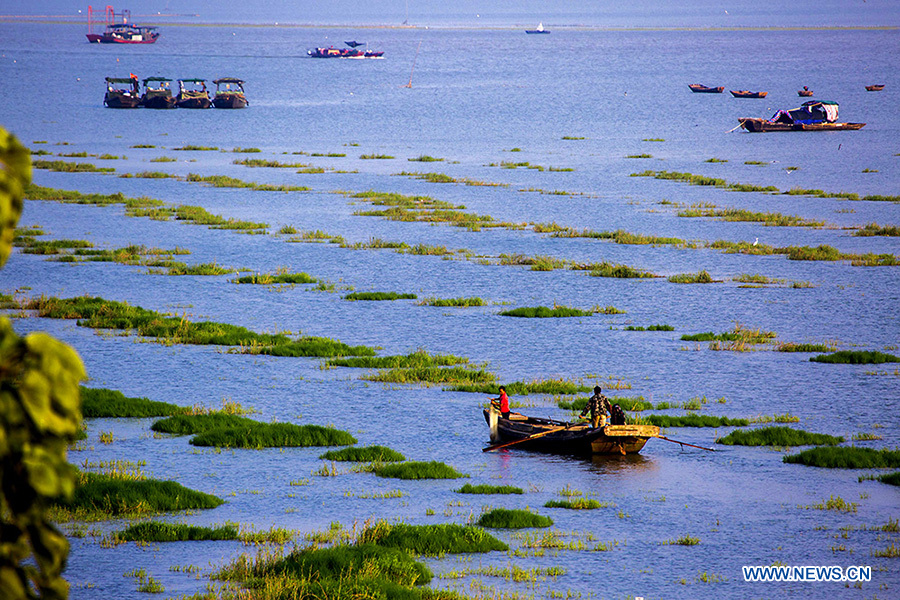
(475, 96)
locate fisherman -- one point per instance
(501, 403)
(599, 407)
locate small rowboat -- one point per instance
(558, 437)
(748, 94)
(805, 92)
(765, 125)
(875, 88)
(702, 89)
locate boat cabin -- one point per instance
(814, 111)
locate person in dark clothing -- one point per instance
(598, 406)
(501, 403)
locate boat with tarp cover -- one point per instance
(815, 115)
(560, 437)
(157, 93)
(122, 92)
(192, 93)
(229, 93)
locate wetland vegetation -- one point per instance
(846, 457)
(103, 403)
(504, 518)
(778, 436)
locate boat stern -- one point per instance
(623, 439)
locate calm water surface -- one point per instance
(476, 96)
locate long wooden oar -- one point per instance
(685, 443)
(530, 437)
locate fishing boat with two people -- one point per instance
(157, 93)
(122, 92)
(192, 93)
(814, 115)
(120, 32)
(228, 96)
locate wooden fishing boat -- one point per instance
(122, 93)
(875, 88)
(702, 89)
(748, 94)
(157, 93)
(192, 93)
(229, 97)
(813, 115)
(558, 437)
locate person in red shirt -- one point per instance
(502, 402)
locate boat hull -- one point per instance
(193, 103)
(230, 101)
(116, 100)
(746, 94)
(765, 126)
(702, 89)
(158, 101)
(572, 438)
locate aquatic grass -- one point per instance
(238, 149)
(189, 424)
(376, 156)
(223, 181)
(700, 277)
(856, 357)
(541, 312)
(190, 147)
(281, 277)
(419, 358)
(158, 531)
(259, 162)
(846, 457)
(142, 146)
(873, 229)
(522, 388)
(742, 215)
(577, 504)
(715, 160)
(378, 296)
(778, 436)
(702, 180)
(621, 236)
(98, 313)
(795, 347)
(431, 540)
(639, 156)
(70, 167)
(272, 435)
(835, 503)
(694, 420)
(45, 247)
(103, 403)
(452, 302)
(685, 540)
(425, 158)
(101, 496)
(431, 374)
(179, 268)
(740, 333)
(489, 489)
(890, 479)
(618, 271)
(650, 328)
(504, 518)
(377, 454)
(418, 470)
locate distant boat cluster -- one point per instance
(351, 52)
(192, 93)
(119, 30)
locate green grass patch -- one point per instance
(223, 181)
(163, 159)
(376, 156)
(452, 302)
(418, 470)
(158, 531)
(98, 313)
(504, 518)
(190, 147)
(103, 403)
(624, 237)
(277, 278)
(378, 296)
(693, 420)
(377, 454)
(259, 162)
(873, 229)
(639, 156)
(650, 328)
(30, 245)
(432, 540)
(618, 271)
(69, 167)
(523, 388)
(856, 357)
(741, 215)
(740, 335)
(197, 423)
(701, 277)
(794, 347)
(846, 457)
(890, 478)
(541, 312)
(101, 495)
(417, 359)
(576, 504)
(431, 374)
(484, 488)
(238, 149)
(778, 436)
(272, 435)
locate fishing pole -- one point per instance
(685, 444)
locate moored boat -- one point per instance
(540, 29)
(558, 437)
(352, 52)
(814, 115)
(805, 92)
(157, 93)
(122, 92)
(192, 93)
(702, 89)
(748, 94)
(875, 88)
(229, 97)
(120, 33)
